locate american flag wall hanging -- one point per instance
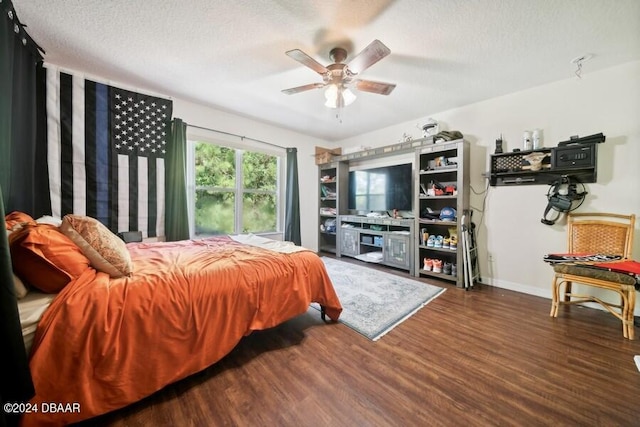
(106, 151)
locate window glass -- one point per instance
(215, 212)
(215, 166)
(259, 212)
(236, 191)
(260, 171)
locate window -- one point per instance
(234, 190)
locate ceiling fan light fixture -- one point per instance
(338, 76)
(334, 93)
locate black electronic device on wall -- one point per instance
(574, 156)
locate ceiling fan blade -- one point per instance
(369, 56)
(299, 89)
(306, 60)
(375, 87)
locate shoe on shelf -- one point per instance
(431, 241)
(445, 243)
(454, 270)
(438, 242)
(453, 243)
(428, 264)
(437, 266)
(446, 268)
(425, 237)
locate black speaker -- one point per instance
(131, 236)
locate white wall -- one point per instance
(199, 115)
(607, 101)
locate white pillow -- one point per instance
(47, 219)
(20, 288)
(18, 285)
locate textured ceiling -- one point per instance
(230, 55)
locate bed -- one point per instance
(102, 343)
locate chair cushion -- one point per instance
(594, 273)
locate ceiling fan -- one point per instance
(338, 77)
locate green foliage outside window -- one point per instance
(259, 171)
(215, 166)
(217, 191)
(215, 212)
(259, 213)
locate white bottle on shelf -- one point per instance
(537, 139)
(526, 141)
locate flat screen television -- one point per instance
(381, 189)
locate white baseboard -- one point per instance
(538, 292)
(518, 287)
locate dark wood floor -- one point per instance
(484, 357)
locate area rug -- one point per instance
(373, 301)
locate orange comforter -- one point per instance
(105, 343)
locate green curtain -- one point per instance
(176, 223)
(23, 151)
(292, 204)
(15, 377)
(6, 89)
(19, 60)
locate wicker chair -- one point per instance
(601, 233)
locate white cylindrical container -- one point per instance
(537, 139)
(526, 141)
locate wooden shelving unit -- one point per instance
(446, 164)
(333, 181)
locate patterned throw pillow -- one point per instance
(106, 251)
